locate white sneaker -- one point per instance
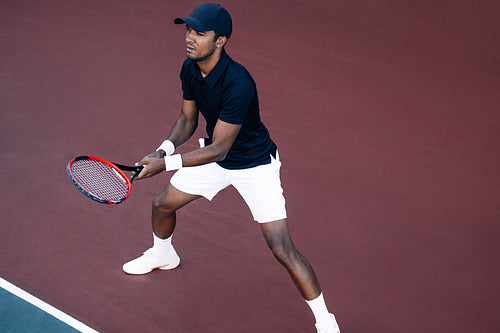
(330, 327)
(150, 261)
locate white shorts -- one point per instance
(259, 186)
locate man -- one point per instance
(238, 152)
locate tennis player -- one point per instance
(238, 152)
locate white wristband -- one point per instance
(167, 146)
(173, 162)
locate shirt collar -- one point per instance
(221, 66)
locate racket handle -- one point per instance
(137, 172)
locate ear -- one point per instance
(221, 41)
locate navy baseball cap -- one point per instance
(209, 16)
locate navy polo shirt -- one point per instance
(229, 93)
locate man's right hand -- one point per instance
(153, 164)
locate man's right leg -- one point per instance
(165, 204)
(162, 255)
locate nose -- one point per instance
(189, 36)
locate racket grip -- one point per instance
(137, 172)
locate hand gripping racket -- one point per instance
(101, 180)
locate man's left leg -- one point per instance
(279, 241)
(261, 189)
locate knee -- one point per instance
(285, 254)
(161, 206)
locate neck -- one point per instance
(208, 64)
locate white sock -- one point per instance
(319, 310)
(162, 246)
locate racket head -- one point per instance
(99, 180)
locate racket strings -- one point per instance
(100, 179)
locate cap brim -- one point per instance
(192, 22)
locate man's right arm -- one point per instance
(181, 131)
(185, 125)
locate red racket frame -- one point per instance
(117, 167)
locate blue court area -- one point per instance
(21, 312)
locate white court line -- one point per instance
(46, 307)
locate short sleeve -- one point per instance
(236, 101)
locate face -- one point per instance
(200, 45)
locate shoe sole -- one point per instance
(169, 266)
(164, 267)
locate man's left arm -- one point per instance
(222, 140)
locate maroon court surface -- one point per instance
(386, 114)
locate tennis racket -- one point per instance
(101, 180)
